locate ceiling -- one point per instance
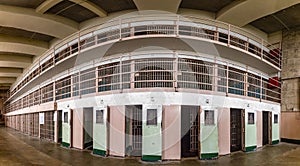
(27, 27)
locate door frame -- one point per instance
(199, 110)
(269, 125)
(243, 132)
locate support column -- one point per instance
(224, 131)
(117, 131)
(290, 89)
(171, 133)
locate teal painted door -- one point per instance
(67, 127)
(152, 133)
(100, 131)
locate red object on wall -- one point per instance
(275, 52)
(273, 82)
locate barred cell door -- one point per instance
(31, 125)
(237, 131)
(137, 130)
(36, 124)
(47, 129)
(190, 125)
(134, 132)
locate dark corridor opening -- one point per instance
(266, 127)
(236, 130)
(190, 125)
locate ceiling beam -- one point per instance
(10, 72)
(29, 20)
(7, 80)
(91, 6)
(4, 87)
(15, 60)
(241, 13)
(163, 5)
(22, 45)
(45, 6)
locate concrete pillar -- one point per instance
(224, 130)
(259, 128)
(117, 131)
(77, 128)
(290, 93)
(171, 133)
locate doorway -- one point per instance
(237, 131)
(190, 125)
(88, 128)
(267, 127)
(59, 126)
(133, 130)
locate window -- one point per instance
(275, 118)
(99, 116)
(250, 118)
(65, 117)
(209, 117)
(152, 117)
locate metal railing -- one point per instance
(171, 73)
(153, 26)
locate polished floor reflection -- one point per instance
(18, 149)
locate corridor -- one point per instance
(18, 149)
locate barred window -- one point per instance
(152, 117)
(99, 116)
(275, 118)
(151, 73)
(209, 117)
(250, 118)
(66, 117)
(195, 74)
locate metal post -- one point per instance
(120, 73)
(262, 49)
(176, 63)
(177, 26)
(97, 80)
(227, 78)
(228, 37)
(261, 86)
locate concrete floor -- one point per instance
(18, 149)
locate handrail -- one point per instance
(151, 25)
(227, 79)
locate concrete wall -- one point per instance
(291, 85)
(171, 102)
(289, 126)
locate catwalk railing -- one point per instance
(153, 26)
(176, 74)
